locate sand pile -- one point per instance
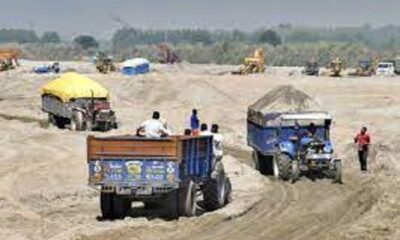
(284, 98)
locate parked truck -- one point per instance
(165, 171)
(78, 102)
(286, 147)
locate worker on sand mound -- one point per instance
(153, 128)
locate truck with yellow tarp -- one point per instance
(79, 102)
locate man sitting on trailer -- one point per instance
(217, 142)
(153, 128)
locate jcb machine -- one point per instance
(167, 172)
(167, 55)
(366, 68)
(79, 102)
(336, 67)
(104, 63)
(9, 58)
(254, 64)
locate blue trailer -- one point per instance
(290, 144)
(166, 171)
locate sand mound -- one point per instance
(283, 99)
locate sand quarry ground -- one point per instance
(43, 174)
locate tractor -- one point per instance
(293, 144)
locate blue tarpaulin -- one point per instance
(135, 66)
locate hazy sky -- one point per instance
(71, 17)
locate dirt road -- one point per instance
(43, 192)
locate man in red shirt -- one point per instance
(363, 140)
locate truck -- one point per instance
(288, 145)
(78, 102)
(311, 68)
(168, 171)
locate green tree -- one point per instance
(86, 42)
(271, 37)
(50, 37)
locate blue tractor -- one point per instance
(288, 145)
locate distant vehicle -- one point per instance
(79, 102)
(397, 66)
(385, 69)
(167, 172)
(311, 68)
(284, 147)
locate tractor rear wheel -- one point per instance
(284, 164)
(215, 191)
(338, 172)
(76, 121)
(187, 199)
(295, 171)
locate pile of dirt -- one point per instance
(285, 98)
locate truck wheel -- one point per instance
(121, 206)
(60, 121)
(51, 119)
(106, 205)
(284, 164)
(256, 160)
(295, 171)
(214, 192)
(338, 171)
(187, 200)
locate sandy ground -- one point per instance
(43, 174)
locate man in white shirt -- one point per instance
(204, 130)
(218, 140)
(153, 128)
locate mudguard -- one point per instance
(287, 147)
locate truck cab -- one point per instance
(385, 69)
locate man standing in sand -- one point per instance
(363, 140)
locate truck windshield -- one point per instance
(383, 66)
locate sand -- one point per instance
(43, 173)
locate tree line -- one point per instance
(285, 44)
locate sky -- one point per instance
(103, 17)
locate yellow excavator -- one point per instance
(335, 67)
(253, 64)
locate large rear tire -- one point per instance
(187, 199)
(338, 172)
(214, 190)
(77, 121)
(284, 164)
(295, 171)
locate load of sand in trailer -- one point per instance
(284, 98)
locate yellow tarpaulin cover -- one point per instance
(74, 85)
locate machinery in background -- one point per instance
(104, 63)
(254, 64)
